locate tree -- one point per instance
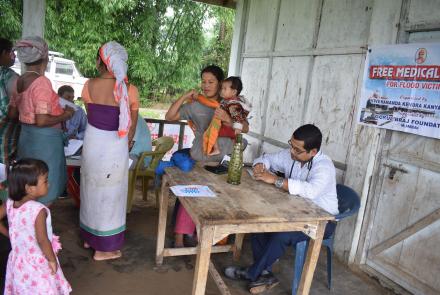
(166, 40)
(11, 18)
(218, 47)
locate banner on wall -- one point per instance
(401, 89)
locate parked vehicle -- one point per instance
(60, 71)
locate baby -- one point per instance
(236, 106)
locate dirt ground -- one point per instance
(135, 272)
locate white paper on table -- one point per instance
(2, 172)
(64, 102)
(73, 146)
(192, 191)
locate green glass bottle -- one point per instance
(236, 163)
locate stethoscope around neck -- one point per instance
(309, 167)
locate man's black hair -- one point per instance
(236, 83)
(215, 70)
(5, 45)
(63, 89)
(311, 135)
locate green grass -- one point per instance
(149, 113)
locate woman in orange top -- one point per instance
(37, 107)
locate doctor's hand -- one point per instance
(265, 176)
(258, 168)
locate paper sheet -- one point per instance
(192, 191)
(65, 102)
(73, 146)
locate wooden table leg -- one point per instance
(311, 260)
(162, 223)
(203, 259)
(238, 246)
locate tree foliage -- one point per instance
(11, 18)
(218, 47)
(166, 40)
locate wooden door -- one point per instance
(404, 237)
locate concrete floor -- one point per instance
(135, 272)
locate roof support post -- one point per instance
(34, 13)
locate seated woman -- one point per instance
(199, 110)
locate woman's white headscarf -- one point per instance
(115, 58)
(31, 49)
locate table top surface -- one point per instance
(250, 202)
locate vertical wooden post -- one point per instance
(311, 260)
(238, 246)
(34, 13)
(181, 135)
(161, 127)
(203, 259)
(162, 224)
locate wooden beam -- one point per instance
(218, 279)
(224, 3)
(193, 250)
(308, 52)
(406, 233)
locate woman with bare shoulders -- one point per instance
(112, 111)
(38, 109)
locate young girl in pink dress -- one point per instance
(33, 267)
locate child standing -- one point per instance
(236, 106)
(32, 267)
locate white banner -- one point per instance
(401, 89)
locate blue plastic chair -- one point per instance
(348, 204)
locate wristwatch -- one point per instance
(279, 182)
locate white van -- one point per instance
(60, 71)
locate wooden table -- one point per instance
(251, 207)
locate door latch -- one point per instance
(394, 169)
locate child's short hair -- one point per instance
(65, 88)
(236, 83)
(24, 172)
